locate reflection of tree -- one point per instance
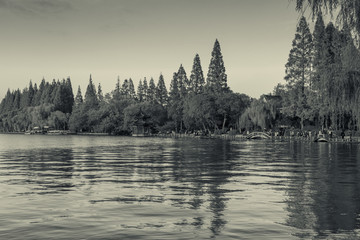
(51, 169)
(204, 169)
(324, 195)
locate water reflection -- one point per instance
(47, 171)
(324, 195)
(192, 189)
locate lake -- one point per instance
(102, 187)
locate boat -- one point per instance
(321, 138)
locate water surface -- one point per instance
(91, 187)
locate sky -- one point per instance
(56, 39)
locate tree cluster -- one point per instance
(192, 104)
(49, 104)
(322, 86)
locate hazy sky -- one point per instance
(143, 38)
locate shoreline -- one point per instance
(236, 137)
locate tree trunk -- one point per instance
(223, 125)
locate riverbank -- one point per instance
(337, 139)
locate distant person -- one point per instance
(342, 134)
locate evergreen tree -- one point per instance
(330, 77)
(182, 81)
(131, 89)
(151, 91)
(216, 78)
(52, 92)
(174, 94)
(298, 71)
(90, 95)
(24, 101)
(162, 95)
(46, 94)
(78, 99)
(318, 51)
(7, 102)
(100, 94)
(36, 99)
(59, 98)
(117, 91)
(175, 107)
(41, 91)
(17, 97)
(145, 89)
(125, 88)
(140, 92)
(197, 77)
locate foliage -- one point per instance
(216, 78)
(187, 106)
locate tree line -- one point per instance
(322, 82)
(191, 104)
(321, 89)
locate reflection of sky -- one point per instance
(141, 38)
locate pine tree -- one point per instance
(197, 77)
(59, 98)
(174, 94)
(78, 99)
(52, 91)
(318, 51)
(151, 91)
(131, 89)
(175, 107)
(100, 94)
(16, 103)
(125, 88)
(182, 81)
(162, 95)
(140, 92)
(145, 89)
(31, 94)
(117, 91)
(45, 96)
(216, 78)
(69, 96)
(90, 95)
(298, 70)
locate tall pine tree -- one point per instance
(132, 89)
(216, 78)
(182, 81)
(197, 77)
(151, 91)
(298, 71)
(90, 94)
(140, 92)
(162, 95)
(78, 99)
